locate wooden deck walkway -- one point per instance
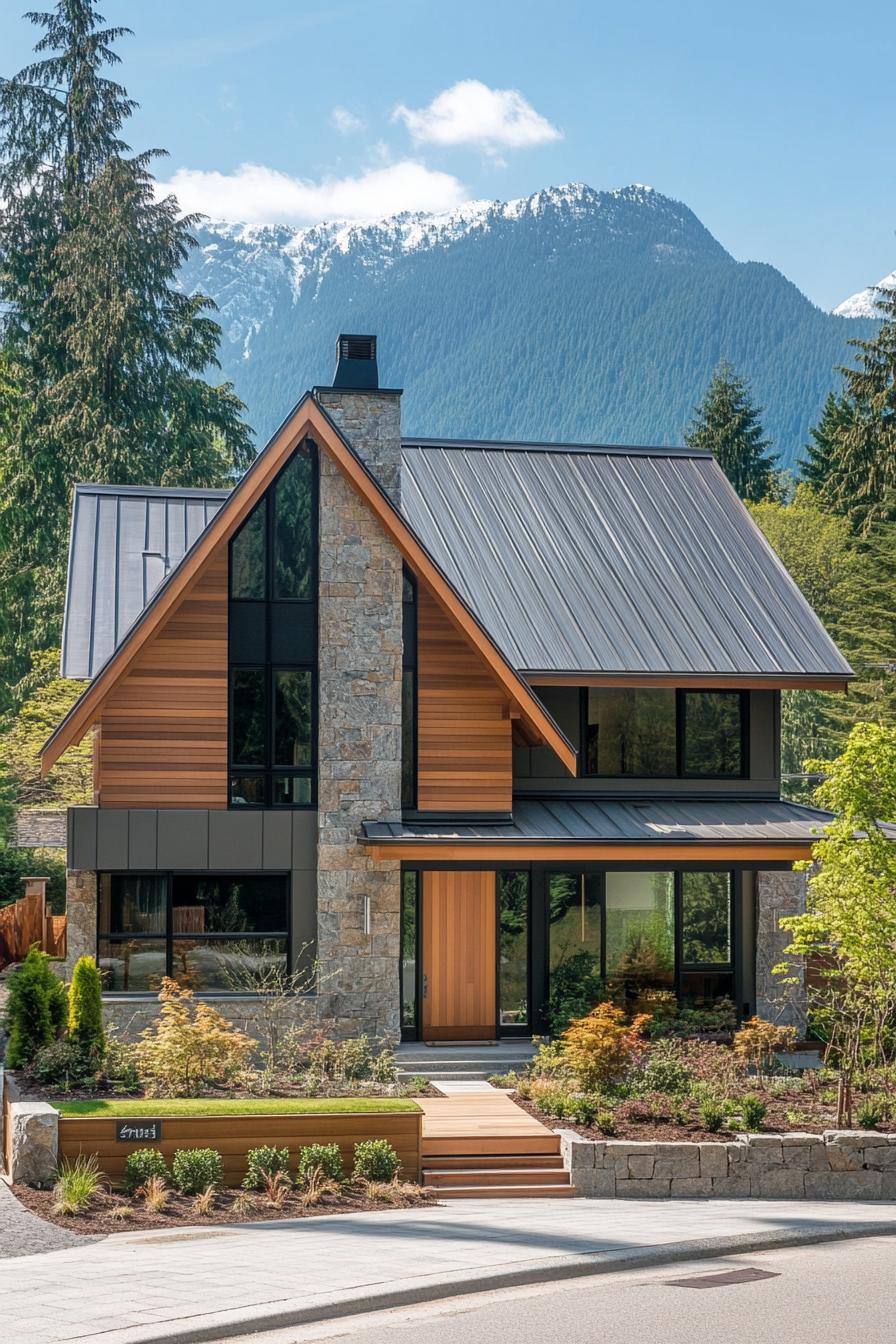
(481, 1122)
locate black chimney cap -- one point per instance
(356, 363)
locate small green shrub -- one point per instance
(263, 1163)
(324, 1158)
(606, 1123)
(712, 1114)
(63, 1064)
(85, 1009)
(753, 1111)
(376, 1160)
(665, 1070)
(195, 1169)
(76, 1184)
(140, 1165)
(581, 1110)
(36, 1009)
(869, 1113)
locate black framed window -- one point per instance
(273, 643)
(513, 948)
(664, 733)
(409, 693)
(212, 933)
(408, 971)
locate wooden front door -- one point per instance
(459, 956)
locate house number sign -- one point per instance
(138, 1131)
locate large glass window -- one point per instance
(630, 732)
(575, 927)
(273, 643)
(209, 932)
(409, 883)
(706, 919)
(409, 692)
(664, 733)
(640, 913)
(513, 949)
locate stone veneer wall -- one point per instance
(839, 1164)
(778, 894)
(80, 915)
(359, 733)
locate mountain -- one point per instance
(862, 304)
(572, 314)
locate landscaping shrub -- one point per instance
(195, 1169)
(869, 1113)
(665, 1070)
(189, 1046)
(85, 1010)
(758, 1042)
(351, 1061)
(63, 1064)
(606, 1123)
(140, 1165)
(36, 1009)
(76, 1184)
(712, 1114)
(581, 1110)
(324, 1158)
(601, 1048)
(376, 1160)
(265, 1162)
(753, 1111)
(575, 988)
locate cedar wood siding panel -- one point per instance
(163, 734)
(464, 743)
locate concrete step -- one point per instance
(494, 1176)
(445, 1075)
(508, 1192)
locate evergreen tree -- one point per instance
(727, 424)
(822, 462)
(105, 355)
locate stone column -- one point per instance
(359, 733)
(80, 917)
(778, 894)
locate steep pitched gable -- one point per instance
(307, 420)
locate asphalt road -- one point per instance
(838, 1293)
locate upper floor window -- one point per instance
(409, 693)
(664, 733)
(273, 643)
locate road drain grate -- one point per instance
(722, 1278)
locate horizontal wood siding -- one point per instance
(465, 751)
(163, 734)
(233, 1135)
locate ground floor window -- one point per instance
(211, 932)
(513, 949)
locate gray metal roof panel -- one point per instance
(610, 821)
(630, 561)
(125, 540)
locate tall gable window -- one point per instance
(664, 733)
(273, 643)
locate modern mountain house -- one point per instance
(467, 721)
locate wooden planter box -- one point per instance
(233, 1135)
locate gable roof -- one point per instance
(609, 561)
(307, 419)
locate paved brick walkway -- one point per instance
(132, 1288)
(21, 1233)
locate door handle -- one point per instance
(425, 986)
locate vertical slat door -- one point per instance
(459, 956)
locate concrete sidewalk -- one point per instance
(209, 1283)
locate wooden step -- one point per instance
(507, 1192)
(503, 1145)
(503, 1176)
(493, 1161)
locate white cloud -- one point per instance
(254, 194)
(470, 113)
(345, 122)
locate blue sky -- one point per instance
(774, 122)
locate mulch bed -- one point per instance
(180, 1210)
(814, 1117)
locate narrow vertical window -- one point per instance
(513, 950)
(409, 693)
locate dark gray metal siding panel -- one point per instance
(304, 916)
(183, 838)
(112, 838)
(143, 824)
(125, 541)
(82, 838)
(304, 840)
(276, 841)
(235, 840)
(611, 562)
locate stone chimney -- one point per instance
(368, 415)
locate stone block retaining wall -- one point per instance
(839, 1164)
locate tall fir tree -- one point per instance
(727, 424)
(104, 355)
(821, 464)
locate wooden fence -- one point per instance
(26, 922)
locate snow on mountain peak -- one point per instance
(863, 304)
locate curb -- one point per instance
(467, 1282)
